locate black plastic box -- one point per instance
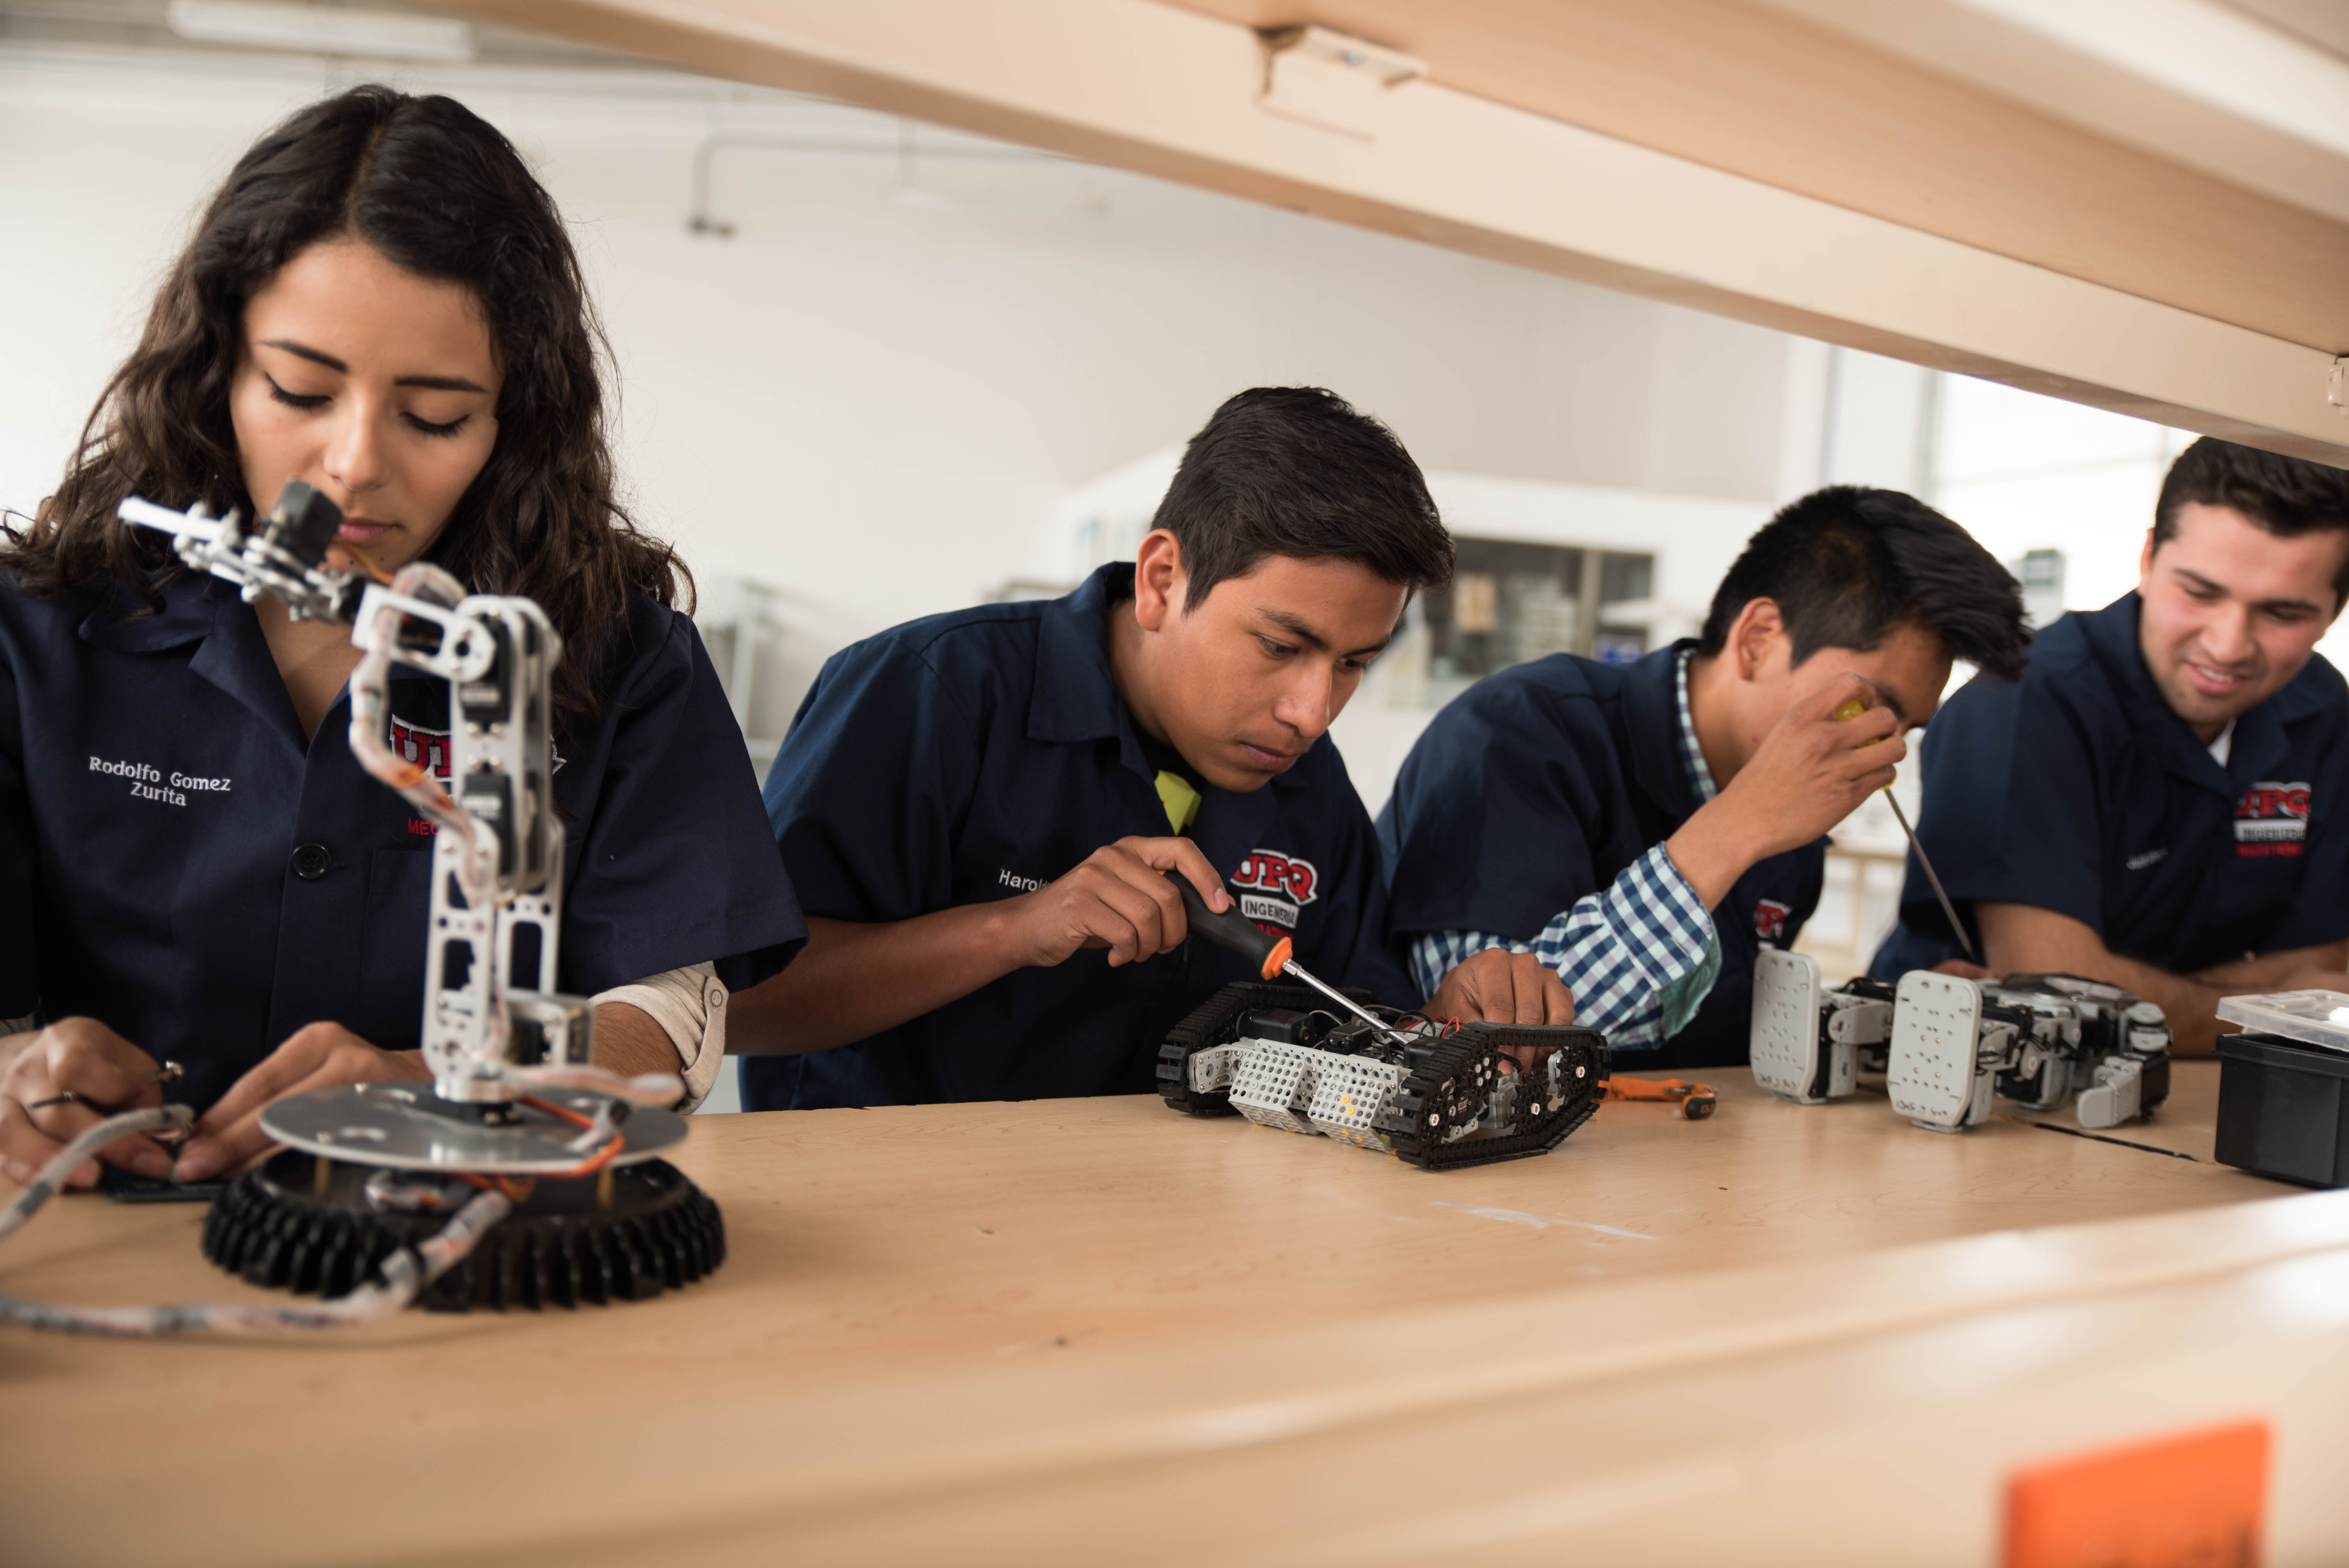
(2283, 1109)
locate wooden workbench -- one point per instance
(1097, 1330)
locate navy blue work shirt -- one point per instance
(979, 755)
(2078, 790)
(1537, 786)
(179, 863)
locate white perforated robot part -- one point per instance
(1350, 1093)
(1275, 1084)
(1934, 1074)
(1215, 1067)
(1785, 1044)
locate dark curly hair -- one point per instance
(440, 193)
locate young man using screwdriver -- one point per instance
(2157, 803)
(1646, 830)
(982, 811)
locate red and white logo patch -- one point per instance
(1275, 888)
(2272, 819)
(413, 743)
(1770, 919)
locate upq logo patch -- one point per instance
(1274, 888)
(1770, 919)
(1269, 871)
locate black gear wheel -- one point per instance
(557, 1248)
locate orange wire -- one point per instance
(565, 1111)
(515, 1191)
(519, 1191)
(594, 1162)
(375, 574)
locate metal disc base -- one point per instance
(407, 1127)
(286, 1225)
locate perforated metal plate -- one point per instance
(1936, 1029)
(400, 1125)
(1350, 1093)
(1786, 1032)
(1275, 1084)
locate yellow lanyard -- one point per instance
(1181, 801)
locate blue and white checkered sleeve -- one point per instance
(1618, 950)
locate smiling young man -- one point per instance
(2156, 803)
(1646, 830)
(981, 810)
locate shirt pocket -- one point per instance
(392, 947)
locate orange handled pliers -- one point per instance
(1696, 1100)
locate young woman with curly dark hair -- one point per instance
(381, 302)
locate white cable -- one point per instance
(646, 1088)
(405, 1274)
(52, 1176)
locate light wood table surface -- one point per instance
(913, 1293)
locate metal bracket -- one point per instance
(1331, 80)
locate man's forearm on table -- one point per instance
(2269, 971)
(2020, 939)
(855, 979)
(629, 1040)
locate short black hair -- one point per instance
(2286, 496)
(1846, 565)
(1298, 471)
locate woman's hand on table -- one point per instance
(229, 1138)
(57, 1083)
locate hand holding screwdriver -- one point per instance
(1853, 710)
(1806, 775)
(1269, 953)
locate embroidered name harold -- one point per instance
(148, 783)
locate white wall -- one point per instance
(873, 406)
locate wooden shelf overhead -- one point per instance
(2143, 207)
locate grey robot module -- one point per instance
(1433, 1093)
(1948, 1046)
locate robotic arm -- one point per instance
(493, 1026)
(527, 1176)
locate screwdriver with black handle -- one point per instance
(1269, 953)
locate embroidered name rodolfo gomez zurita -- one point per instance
(148, 783)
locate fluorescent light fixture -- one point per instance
(323, 30)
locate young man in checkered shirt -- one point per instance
(1645, 829)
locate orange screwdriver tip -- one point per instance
(1277, 959)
